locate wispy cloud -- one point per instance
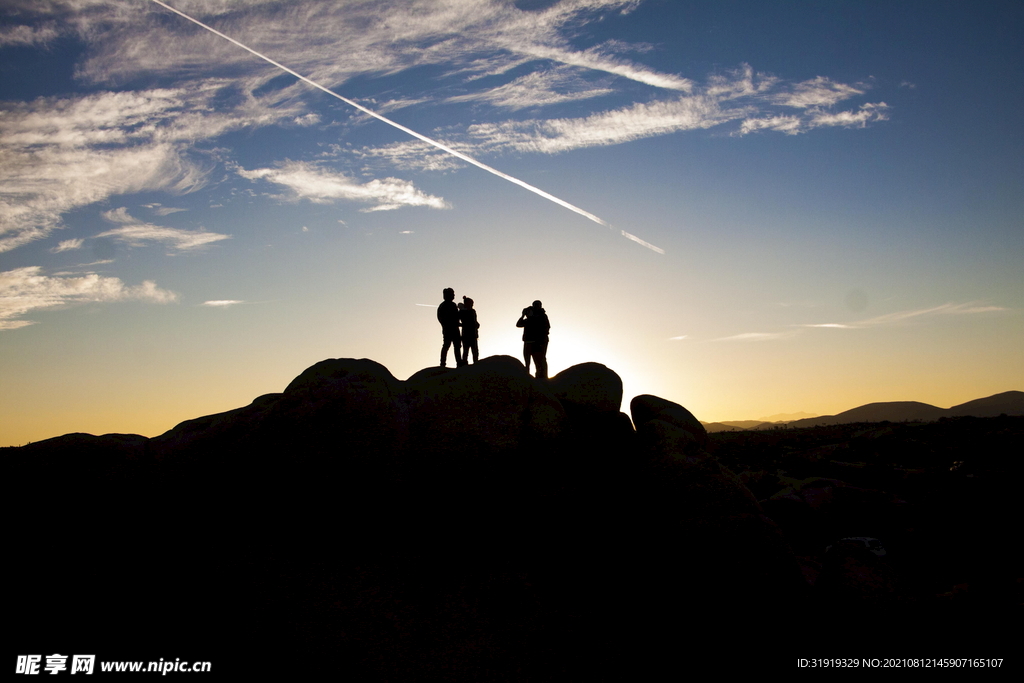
(747, 100)
(308, 181)
(167, 210)
(396, 103)
(222, 303)
(539, 88)
(598, 60)
(972, 308)
(945, 309)
(24, 290)
(757, 336)
(65, 153)
(68, 245)
(346, 191)
(790, 125)
(413, 155)
(28, 35)
(679, 338)
(641, 120)
(818, 92)
(334, 42)
(867, 113)
(60, 154)
(135, 233)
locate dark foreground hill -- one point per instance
(477, 524)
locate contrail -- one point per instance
(440, 145)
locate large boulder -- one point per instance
(329, 445)
(490, 409)
(351, 405)
(590, 386)
(645, 408)
(338, 405)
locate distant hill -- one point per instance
(1008, 402)
(893, 411)
(744, 424)
(786, 417)
(714, 427)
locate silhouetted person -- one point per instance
(467, 315)
(448, 316)
(534, 322)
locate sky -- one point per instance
(747, 208)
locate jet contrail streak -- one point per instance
(441, 146)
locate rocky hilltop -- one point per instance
(463, 524)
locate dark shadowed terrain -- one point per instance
(477, 524)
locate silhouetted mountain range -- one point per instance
(786, 417)
(1006, 403)
(479, 524)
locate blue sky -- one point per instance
(834, 192)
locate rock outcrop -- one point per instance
(463, 524)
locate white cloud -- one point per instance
(816, 118)
(874, 111)
(310, 119)
(167, 210)
(135, 233)
(28, 35)
(307, 181)
(333, 42)
(739, 95)
(756, 336)
(679, 338)
(24, 290)
(902, 316)
(790, 125)
(739, 83)
(640, 120)
(538, 88)
(60, 154)
(887, 319)
(596, 60)
(415, 155)
(395, 104)
(68, 245)
(944, 309)
(222, 303)
(818, 92)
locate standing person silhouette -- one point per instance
(535, 324)
(448, 316)
(467, 315)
